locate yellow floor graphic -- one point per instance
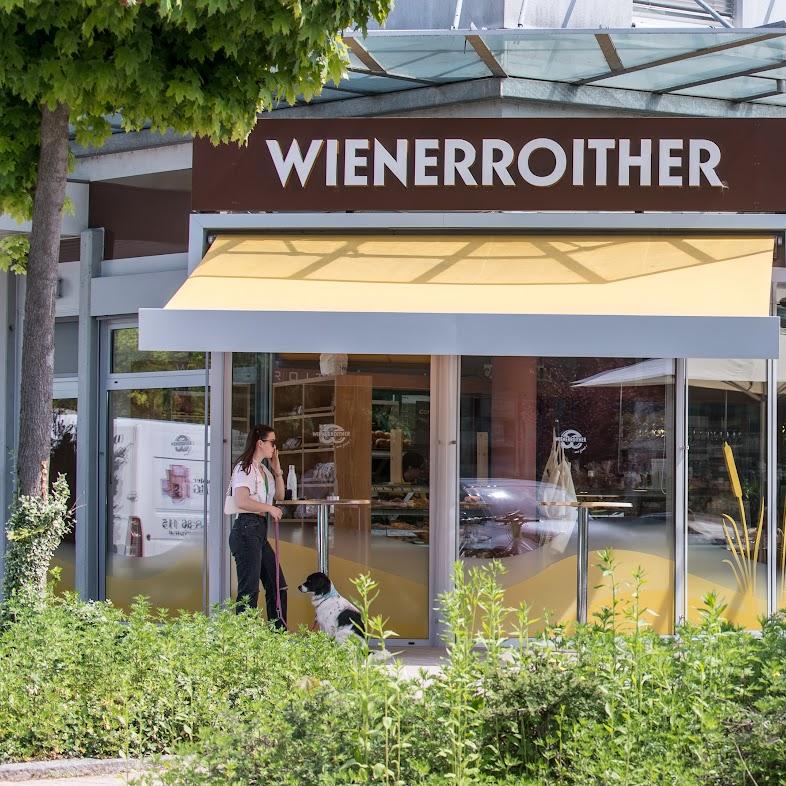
(404, 601)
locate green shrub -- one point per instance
(81, 679)
(34, 530)
(239, 703)
(755, 726)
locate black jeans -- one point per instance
(255, 560)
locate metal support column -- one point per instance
(772, 486)
(8, 400)
(443, 486)
(323, 537)
(217, 473)
(681, 491)
(582, 548)
(87, 577)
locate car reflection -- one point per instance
(506, 517)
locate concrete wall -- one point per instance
(499, 107)
(752, 13)
(439, 14)
(73, 222)
(495, 14)
(592, 14)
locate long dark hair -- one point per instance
(260, 431)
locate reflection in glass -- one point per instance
(539, 431)
(62, 460)
(250, 405)
(727, 538)
(780, 553)
(250, 395)
(128, 358)
(560, 57)
(156, 497)
(356, 426)
(635, 49)
(436, 59)
(66, 347)
(731, 89)
(759, 54)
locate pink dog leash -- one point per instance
(277, 551)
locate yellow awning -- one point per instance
(443, 282)
(505, 275)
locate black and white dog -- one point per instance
(336, 616)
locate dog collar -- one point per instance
(332, 594)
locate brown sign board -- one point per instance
(405, 164)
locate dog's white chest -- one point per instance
(327, 611)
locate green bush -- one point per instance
(85, 679)
(34, 530)
(239, 703)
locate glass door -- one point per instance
(154, 465)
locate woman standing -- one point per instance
(255, 488)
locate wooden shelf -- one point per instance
(305, 450)
(346, 401)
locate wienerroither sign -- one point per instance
(497, 164)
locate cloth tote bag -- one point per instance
(557, 486)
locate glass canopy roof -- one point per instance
(744, 66)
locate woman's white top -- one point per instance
(258, 480)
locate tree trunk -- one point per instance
(35, 417)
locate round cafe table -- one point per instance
(323, 507)
(582, 547)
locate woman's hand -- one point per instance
(275, 512)
(275, 462)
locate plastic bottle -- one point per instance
(292, 482)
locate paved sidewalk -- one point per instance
(72, 772)
(86, 780)
(413, 660)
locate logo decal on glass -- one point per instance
(333, 434)
(182, 444)
(573, 440)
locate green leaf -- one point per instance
(13, 253)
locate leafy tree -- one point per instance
(203, 67)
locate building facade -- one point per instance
(459, 350)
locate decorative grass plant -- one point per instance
(744, 556)
(782, 560)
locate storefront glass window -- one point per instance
(727, 459)
(250, 395)
(62, 460)
(356, 426)
(780, 549)
(128, 358)
(156, 496)
(66, 348)
(535, 431)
